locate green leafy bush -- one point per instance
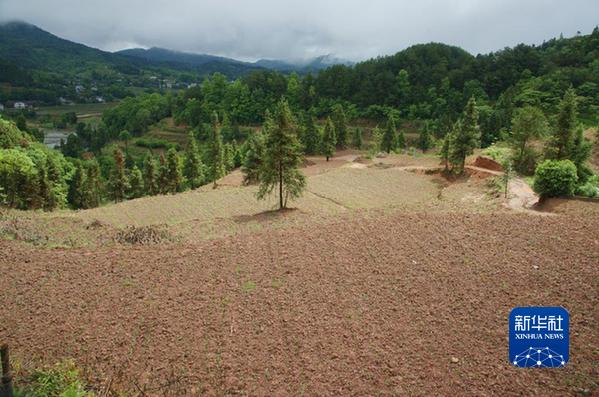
(555, 178)
(590, 188)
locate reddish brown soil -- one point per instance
(378, 306)
(488, 163)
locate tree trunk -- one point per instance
(281, 206)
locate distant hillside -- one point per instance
(202, 63)
(205, 61)
(305, 66)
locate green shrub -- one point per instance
(497, 153)
(555, 178)
(590, 188)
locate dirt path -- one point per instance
(521, 195)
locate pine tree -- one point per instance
(76, 193)
(580, 154)
(465, 137)
(444, 150)
(44, 189)
(93, 186)
(118, 179)
(229, 157)
(162, 180)
(136, 188)
(425, 139)
(340, 123)
(329, 139)
(389, 141)
(311, 139)
(252, 162)
(193, 169)
(562, 141)
(529, 123)
(174, 176)
(401, 139)
(374, 145)
(216, 152)
(357, 140)
(237, 156)
(282, 157)
(150, 182)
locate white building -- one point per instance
(20, 105)
(1, 107)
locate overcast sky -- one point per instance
(284, 29)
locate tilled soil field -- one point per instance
(399, 304)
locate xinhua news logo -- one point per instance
(539, 337)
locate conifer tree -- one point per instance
(580, 154)
(357, 140)
(174, 176)
(136, 187)
(374, 145)
(444, 150)
(252, 162)
(162, 180)
(118, 179)
(150, 182)
(464, 137)
(340, 122)
(237, 156)
(329, 139)
(44, 189)
(282, 157)
(401, 139)
(76, 193)
(311, 139)
(562, 141)
(389, 141)
(193, 169)
(93, 186)
(229, 157)
(528, 123)
(425, 139)
(216, 152)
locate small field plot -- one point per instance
(374, 188)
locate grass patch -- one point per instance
(248, 286)
(61, 380)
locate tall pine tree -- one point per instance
(465, 137)
(136, 183)
(150, 182)
(340, 122)
(174, 176)
(311, 138)
(216, 152)
(118, 179)
(193, 169)
(76, 193)
(562, 141)
(389, 141)
(329, 139)
(93, 186)
(282, 157)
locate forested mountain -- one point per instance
(202, 63)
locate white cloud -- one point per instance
(297, 29)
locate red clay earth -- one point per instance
(382, 305)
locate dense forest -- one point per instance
(452, 99)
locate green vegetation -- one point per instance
(282, 157)
(61, 380)
(554, 178)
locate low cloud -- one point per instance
(280, 29)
